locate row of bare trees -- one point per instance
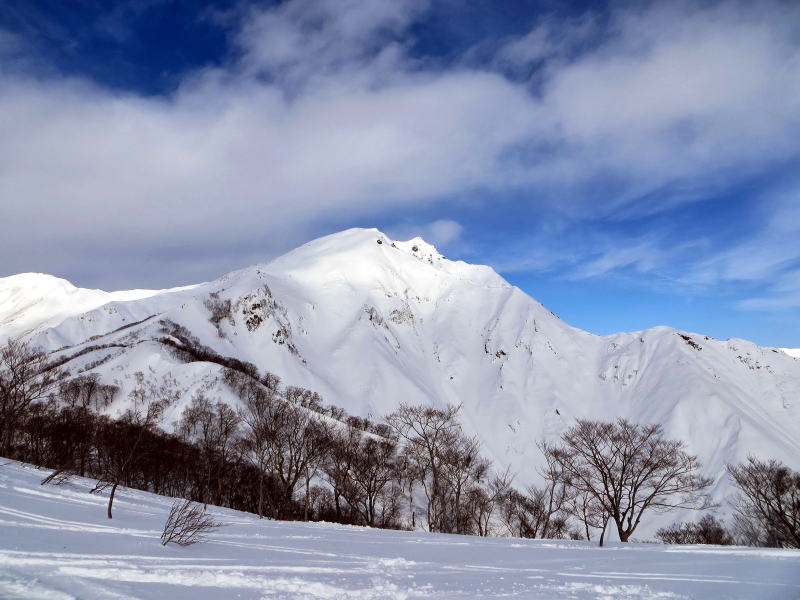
(283, 454)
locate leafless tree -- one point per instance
(463, 470)
(343, 447)
(424, 431)
(258, 414)
(214, 429)
(767, 509)
(220, 310)
(589, 512)
(629, 469)
(368, 489)
(26, 377)
(187, 524)
(303, 397)
(120, 441)
(539, 512)
(286, 441)
(482, 501)
(58, 477)
(299, 448)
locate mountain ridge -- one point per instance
(369, 322)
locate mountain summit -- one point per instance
(369, 322)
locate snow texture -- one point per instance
(57, 544)
(369, 322)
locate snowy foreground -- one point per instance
(56, 543)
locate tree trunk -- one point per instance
(603, 532)
(305, 507)
(336, 496)
(111, 497)
(260, 496)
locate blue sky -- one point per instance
(627, 164)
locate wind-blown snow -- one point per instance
(369, 322)
(56, 543)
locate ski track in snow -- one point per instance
(57, 544)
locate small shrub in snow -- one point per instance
(707, 530)
(58, 477)
(221, 310)
(187, 524)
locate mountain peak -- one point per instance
(369, 257)
(35, 281)
(419, 248)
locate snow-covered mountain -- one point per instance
(369, 322)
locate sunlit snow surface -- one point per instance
(56, 543)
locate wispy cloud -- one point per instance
(769, 257)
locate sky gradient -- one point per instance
(626, 164)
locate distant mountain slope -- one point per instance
(32, 301)
(369, 322)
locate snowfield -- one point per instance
(57, 544)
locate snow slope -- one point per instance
(793, 352)
(369, 322)
(32, 301)
(57, 544)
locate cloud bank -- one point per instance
(324, 110)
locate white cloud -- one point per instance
(324, 112)
(441, 232)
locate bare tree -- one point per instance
(119, 441)
(482, 500)
(258, 415)
(286, 441)
(463, 469)
(299, 447)
(629, 469)
(767, 509)
(539, 512)
(26, 377)
(373, 471)
(187, 524)
(58, 477)
(589, 512)
(343, 447)
(213, 428)
(424, 431)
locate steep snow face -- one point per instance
(369, 323)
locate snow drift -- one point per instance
(56, 544)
